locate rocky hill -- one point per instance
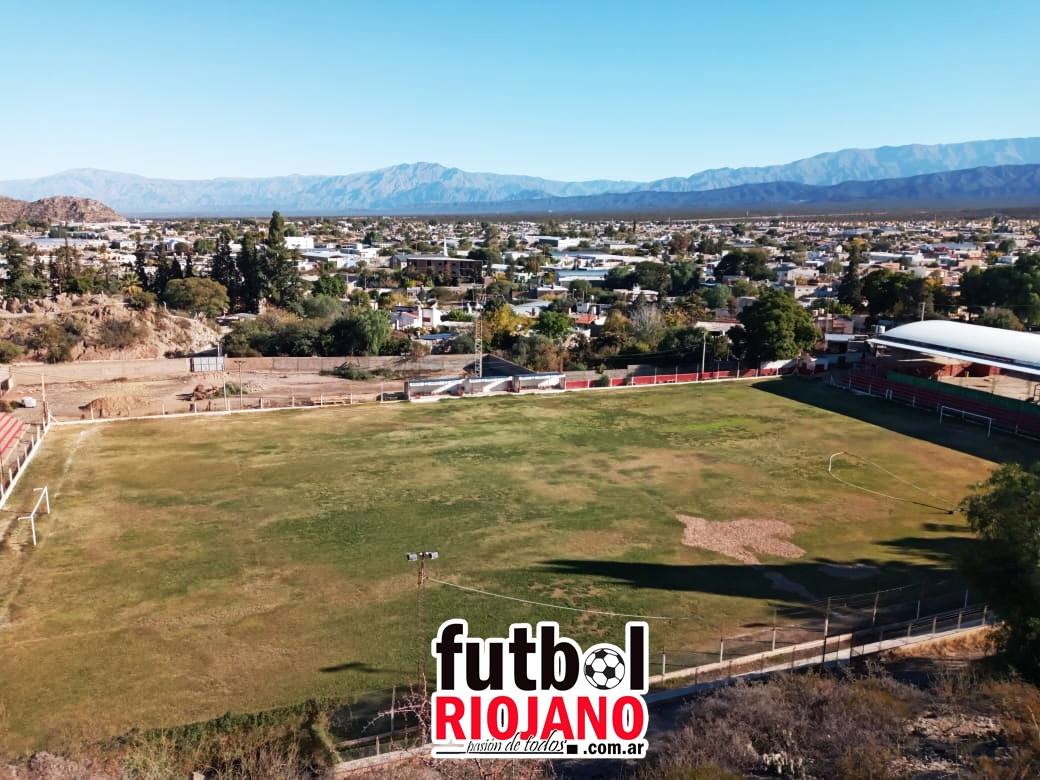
(99, 327)
(10, 209)
(61, 208)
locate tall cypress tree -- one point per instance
(225, 270)
(850, 288)
(163, 270)
(281, 279)
(249, 270)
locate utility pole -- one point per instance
(241, 399)
(420, 632)
(478, 334)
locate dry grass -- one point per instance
(193, 567)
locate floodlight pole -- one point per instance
(421, 558)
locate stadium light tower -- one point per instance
(420, 639)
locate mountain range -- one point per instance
(433, 188)
(999, 186)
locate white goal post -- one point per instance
(967, 417)
(44, 498)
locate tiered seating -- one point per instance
(933, 399)
(11, 429)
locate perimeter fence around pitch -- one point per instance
(797, 626)
(990, 414)
(839, 629)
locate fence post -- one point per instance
(873, 617)
(774, 639)
(965, 598)
(663, 664)
(985, 609)
(908, 627)
(722, 645)
(960, 616)
(934, 621)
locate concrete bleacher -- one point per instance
(11, 430)
(933, 398)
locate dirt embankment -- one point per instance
(99, 328)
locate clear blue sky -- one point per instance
(559, 89)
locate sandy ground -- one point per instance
(134, 397)
(741, 539)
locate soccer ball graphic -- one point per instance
(604, 669)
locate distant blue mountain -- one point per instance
(1000, 186)
(421, 186)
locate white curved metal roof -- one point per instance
(1009, 349)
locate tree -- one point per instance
(850, 288)
(224, 270)
(281, 279)
(248, 262)
(685, 278)
(198, 295)
(1015, 287)
(653, 276)
(648, 327)
(717, 296)
(553, 324)
(775, 327)
(331, 285)
(487, 255)
(361, 331)
(897, 294)
(750, 263)
(164, 271)
(620, 278)
(1005, 514)
(1000, 318)
(580, 289)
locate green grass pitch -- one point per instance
(191, 567)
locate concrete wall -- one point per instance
(162, 368)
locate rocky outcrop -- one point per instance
(57, 209)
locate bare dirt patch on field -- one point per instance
(741, 539)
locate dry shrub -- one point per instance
(792, 726)
(119, 334)
(226, 749)
(1017, 707)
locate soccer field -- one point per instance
(196, 566)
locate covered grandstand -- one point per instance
(978, 374)
(1006, 350)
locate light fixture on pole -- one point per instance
(421, 558)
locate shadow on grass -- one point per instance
(934, 574)
(919, 424)
(357, 666)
